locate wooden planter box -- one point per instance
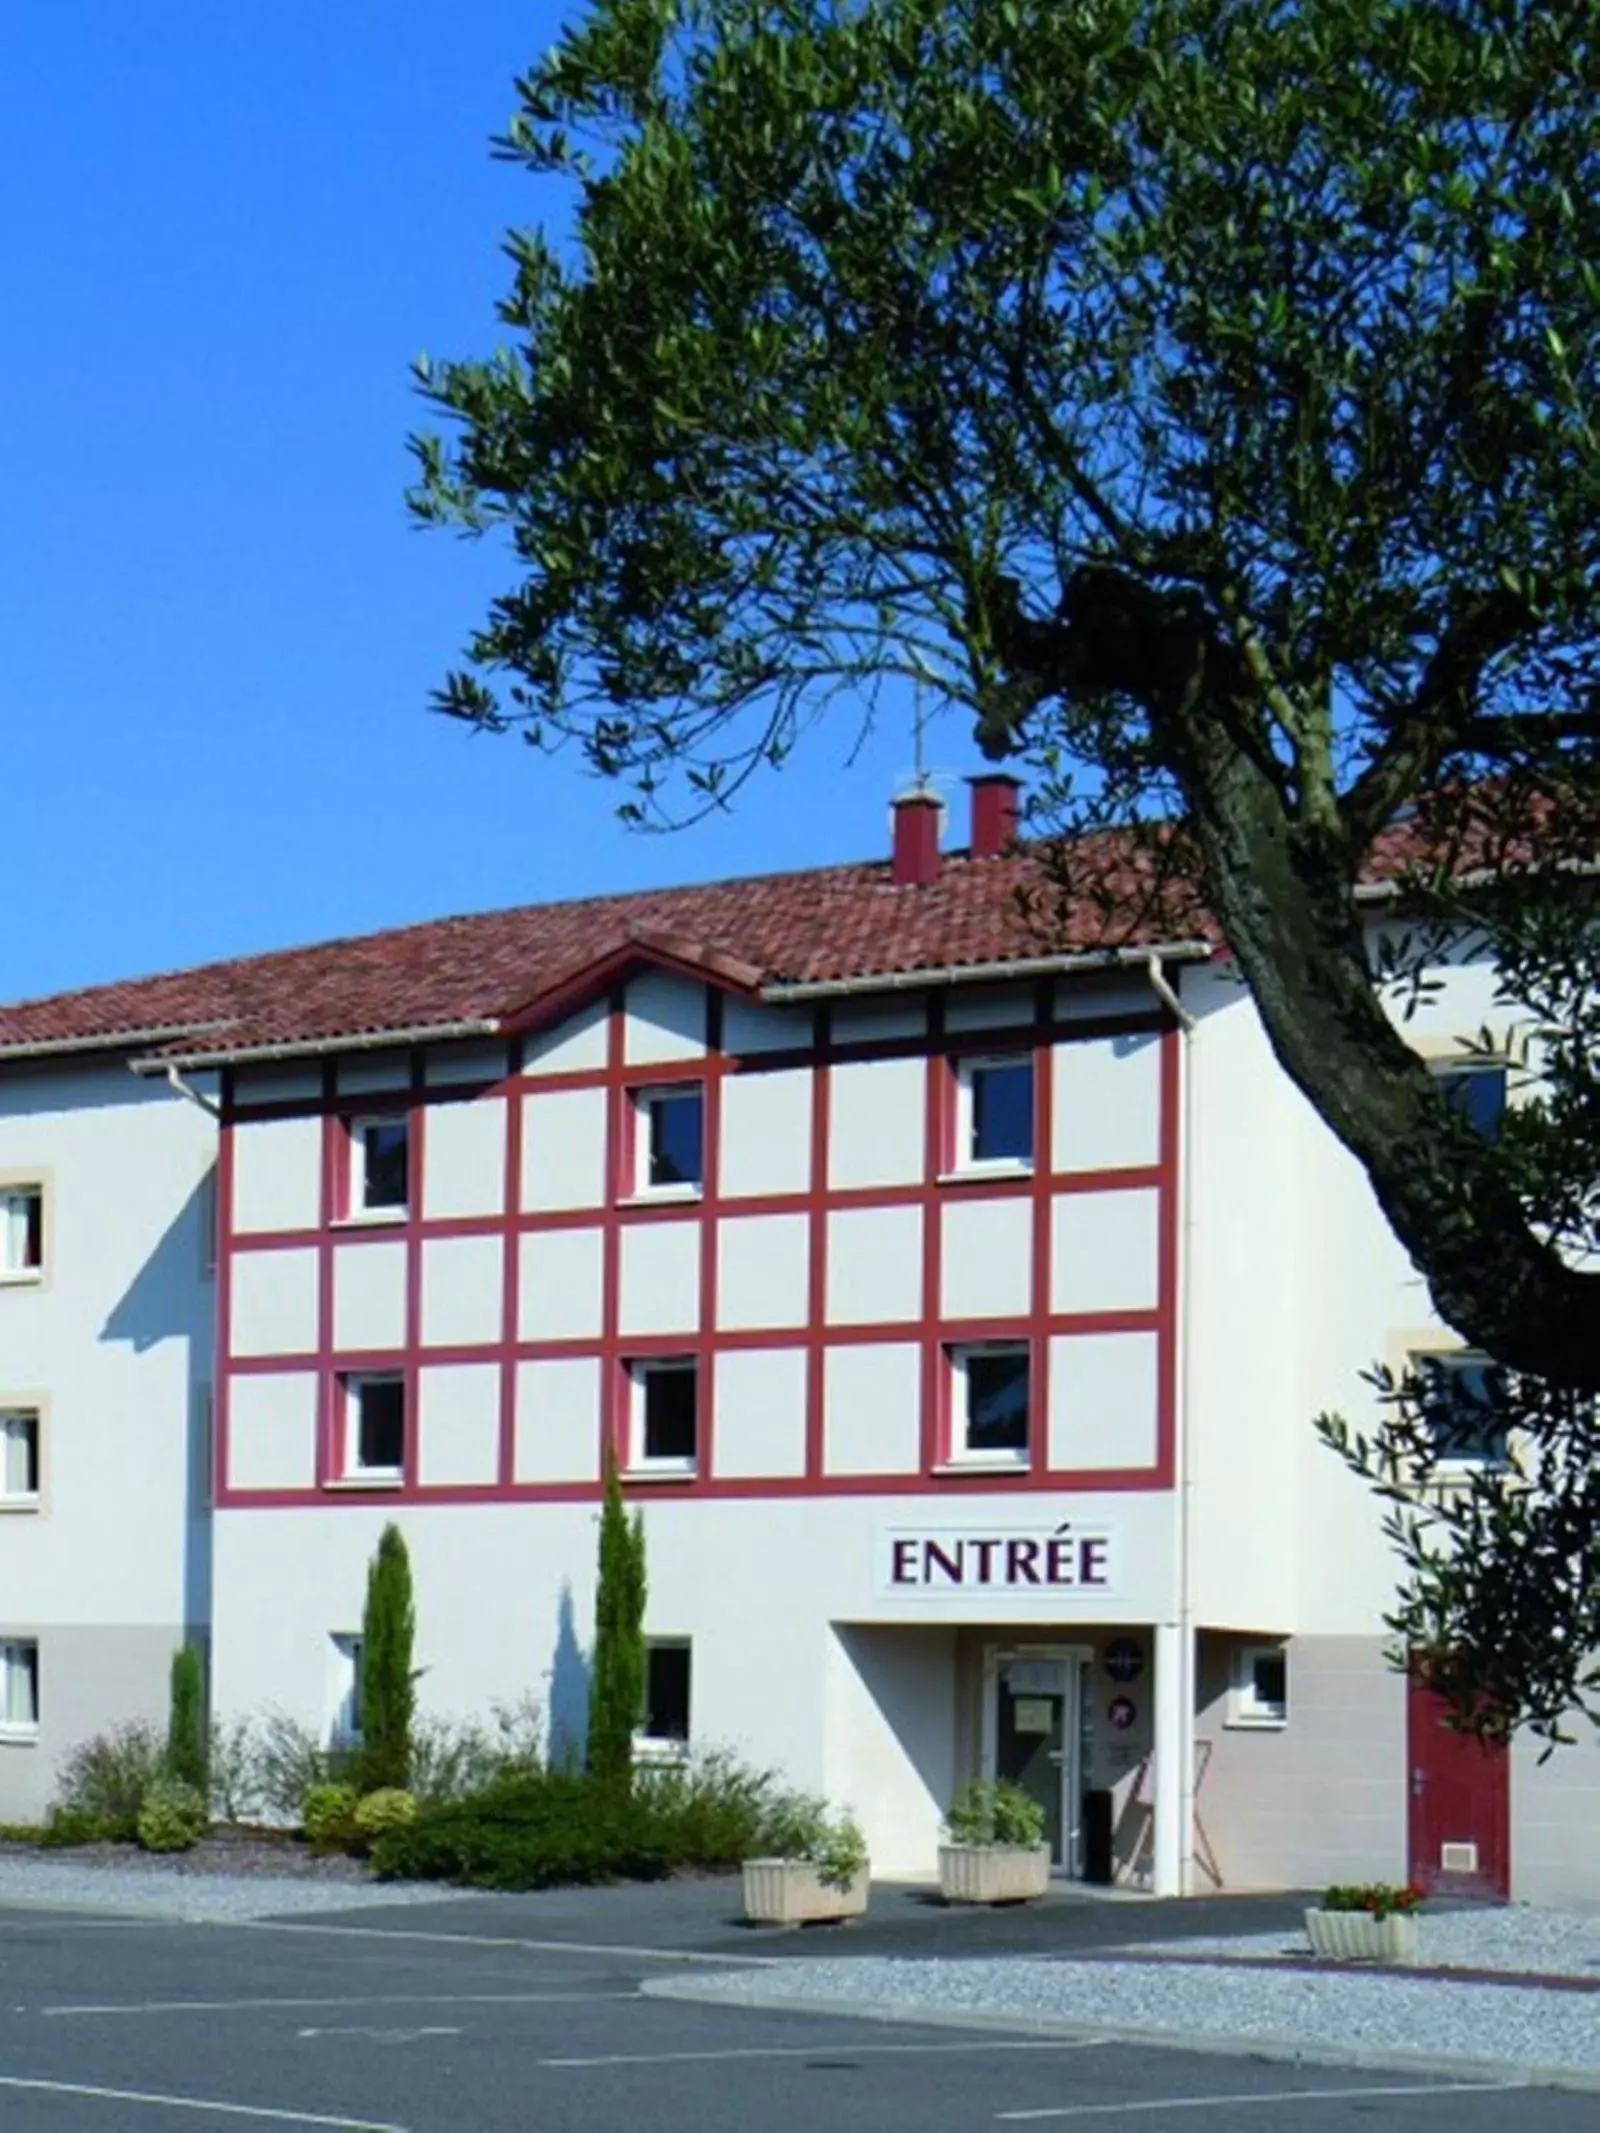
(788, 1892)
(993, 1873)
(1358, 1937)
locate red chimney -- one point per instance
(916, 840)
(995, 812)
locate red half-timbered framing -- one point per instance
(621, 1079)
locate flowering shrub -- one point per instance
(1379, 1899)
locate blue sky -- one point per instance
(224, 233)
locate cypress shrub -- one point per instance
(188, 1738)
(616, 1680)
(388, 1679)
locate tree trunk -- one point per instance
(1285, 905)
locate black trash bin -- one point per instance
(1097, 1827)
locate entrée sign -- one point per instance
(954, 1562)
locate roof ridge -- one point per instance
(255, 958)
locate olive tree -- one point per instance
(1199, 395)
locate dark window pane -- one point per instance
(666, 1693)
(1479, 1095)
(386, 1167)
(33, 1242)
(669, 1413)
(1462, 1404)
(1270, 1678)
(675, 1138)
(381, 1423)
(997, 1402)
(1002, 1112)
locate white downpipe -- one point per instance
(196, 1096)
(1173, 1834)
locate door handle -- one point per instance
(1418, 1781)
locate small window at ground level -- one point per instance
(19, 1456)
(1461, 1400)
(21, 1232)
(346, 1690)
(667, 1396)
(382, 1165)
(375, 1426)
(1260, 1692)
(997, 1099)
(673, 1123)
(19, 1685)
(666, 1689)
(991, 1403)
(1475, 1091)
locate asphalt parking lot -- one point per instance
(452, 2018)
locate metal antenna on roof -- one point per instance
(938, 783)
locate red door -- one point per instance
(1460, 1807)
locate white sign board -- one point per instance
(928, 1562)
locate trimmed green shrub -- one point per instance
(328, 1814)
(991, 1811)
(388, 1678)
(565, 1828)
(173, 1817)
(389, 1809)
(108, 1776)
(188, 1741)
(617, 1671)
(67, 1825)
(560, 1829)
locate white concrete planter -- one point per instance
(1358, 1937)
(790, 1892)
(993, 1873)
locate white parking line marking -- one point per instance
(380, 2036)
(1212, 2103)
(195, 2103)
(731, 1959)
(365, 1999)
(845, 2045)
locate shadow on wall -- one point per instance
(909, 1676)
(569, 1689)
(169, 1298)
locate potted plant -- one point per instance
(821, 1873)
(1366, 1923)
(996, 1851)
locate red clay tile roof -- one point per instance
(826, 924)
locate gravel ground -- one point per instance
(221, 1879)
(1345, 2015)
(1534, 1942)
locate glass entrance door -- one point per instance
(1032, 1740)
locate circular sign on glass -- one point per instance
(1124, 1659)
(1122, 1712)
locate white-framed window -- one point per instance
(1476, 1090)
(990, 1403)
(1258, 1694)
(19, 1686)
(668, 1668)
(21, 1449)
(375, 1427)
(346, 1689)
(666, 1416)
(1461, 1403)
(994, 1113)
(380, 1166)
(669, 1152)
(21, 1233)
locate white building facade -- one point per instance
(956, 1312)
